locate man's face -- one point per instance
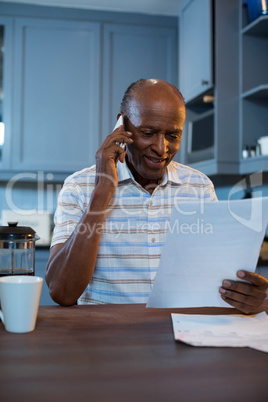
(156, 121)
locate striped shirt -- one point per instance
(133, 231)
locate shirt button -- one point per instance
(151, 203)
(153, 240)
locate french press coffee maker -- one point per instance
(17, 250)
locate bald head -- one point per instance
(153, 88)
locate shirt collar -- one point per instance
(171, 174)
(123, 172)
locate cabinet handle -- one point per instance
(208, 99)
(204, 82)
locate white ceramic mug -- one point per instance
(19, 298)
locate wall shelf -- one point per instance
(259, 92)
(253, 90)
(251, 165)
(258, 27)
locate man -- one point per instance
(111, 219)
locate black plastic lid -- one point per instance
(14, 232)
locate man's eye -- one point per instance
(174, 136)
(147, 133)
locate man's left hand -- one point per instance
(247, 296)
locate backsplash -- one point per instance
(35, 203)
(30, 196)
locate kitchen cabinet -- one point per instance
(215, 123)
(238, 114)
(253, 89)
(131, 53)
(195, 48)
(56, 102)
(196, 82)
(66, 74)
(6, 62)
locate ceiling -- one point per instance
(156, 7)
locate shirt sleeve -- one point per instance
(213, 196)
(70, 209)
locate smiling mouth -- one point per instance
(155, 161)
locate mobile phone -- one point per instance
(120, 122)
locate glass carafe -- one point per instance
(17, 250)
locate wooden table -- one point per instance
(123, 353)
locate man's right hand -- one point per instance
(108, 155)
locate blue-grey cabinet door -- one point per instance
(6, 64)
(131, 53)
(195, 48)
(56, 94)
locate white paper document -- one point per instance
(222, 330)
(205, 244)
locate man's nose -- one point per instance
(160, 145)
